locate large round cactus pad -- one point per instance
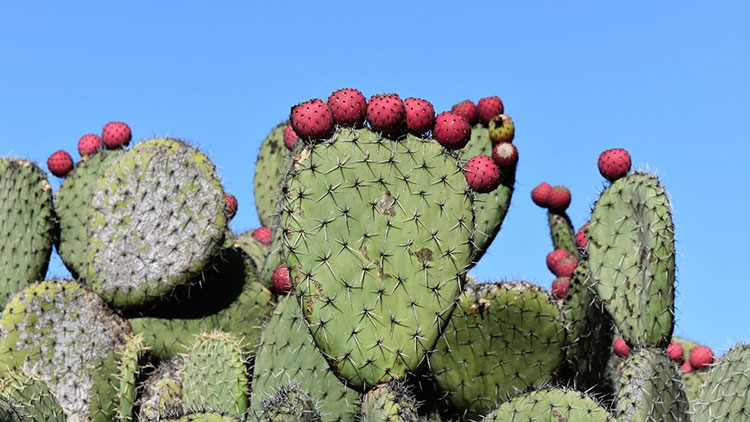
(725, 396)
(554, 405)
(273, 159)
(156, 218)
(377, 234)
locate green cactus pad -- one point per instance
(228, 298)
(256, 250)
(561, 231)
(26, 225)
(155, 220)
(207, 416)
(30, 399)
(726, 392)
(287, 355)
(490, 208)
(273, 160)
(392, 402)
(65, 335)
(72, 205)
(162, 391)
(632, 258)
(553, 405)
(501, 338)
(129, 356)
(273, 259)
(289, 404)
(650, 389)
(377, 235)
(215, 375)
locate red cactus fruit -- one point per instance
(230, 205)
(420, 115)
(386, 113)
(701, 357)
(89, 144)
(262, 235)
(502, 129)
(565, 267)
(675, 352)
(621, 347)
(451, 130)
(686, 368)
(60, 163)
(560, 286)
(116, 135)
(349, 107)
(312, 119)
(280, 279)
(581, 239)
(482, 174)
(290, 137)
(555, 257)
(540, 194)
(559, 198)
(614, 163)
(467, 110)
(489, 107)
(505, 154)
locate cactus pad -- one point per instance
(725, 395)
(129, 357)
(155, 219)
(273, 160)
(554, 405)
(392, 402)
(377, 234)
(256, 250)
(26, 225)
(632, 258)
(162, 391)
(501, 338)
(289, 404)
(561, 231)
(207, 416)
(30, 399)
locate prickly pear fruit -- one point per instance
(262, 235)
(89, 144)
(614, 163)
(386, 113)
(559, 198)
(489, 107)
(290, 137)
(621, 348)
(312, 119)
(560, 286)
(420, 115)
(675, 352)
(349, 107)
(116, 135)
(701, 357)
(451, 130)
(230, 205)
(467, 110)
(505, 154)
(502, 129)
(540, 194)
(282, 283)
(565, 267)
(555, 257)
(482, 174)
(581, 239)
(60, 163)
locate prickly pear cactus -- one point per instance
(202, 416)
(289, 404)
(273, 160)
(561, 231)
(392, 402)
(30, 400)
(273, 259)
(162, 391)
(377, 234)
(155, 220)
(130, 362)
(552, 405)
(650, 389)
(72, 205)
(26, 225)
(64, 335)
(726, 393)
(287, 355)
(256, 250)
(632, 258)
(502, 337)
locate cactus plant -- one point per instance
(129, 356)
(272, 163)
(725, 395)
(550, 405)
(392, 402)
(162, 391)
(289, 404)
(28, 400)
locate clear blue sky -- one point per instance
(667, 80)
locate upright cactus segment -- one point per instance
(501, 338)
(632, 258)
(130, 356)
(29, 400)
(726, 393)
(26, 225)
(561, 231)
(215, 375)
(552, 405)
(392, 402)
(273, 160)
(490, 208)
(287, 355)
(650, 389)
(67, 337)
(289, 404)
(377, 234)
(155, 219)
(162, 391)
(256, 250)
(72, 205)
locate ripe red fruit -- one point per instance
(482, 174)
(420, 115)
(60, 163)
(280, 279)
(116, 135)
(560, 286)
(312, 119)
(505, 154)
(559, 198)
(451, 130)
(349, 107)
(230, 205)
(675, 352)
(614, 163)
(540, 194)
(467, 110)
(581, 239)
(686, 368)
(262, 235)
(290, 137)
(489, 107)
(701, 356)
(565, 267)
(386, 113)
(621, 347)
(89, 144)
(555, 257)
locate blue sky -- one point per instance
(666, 80)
